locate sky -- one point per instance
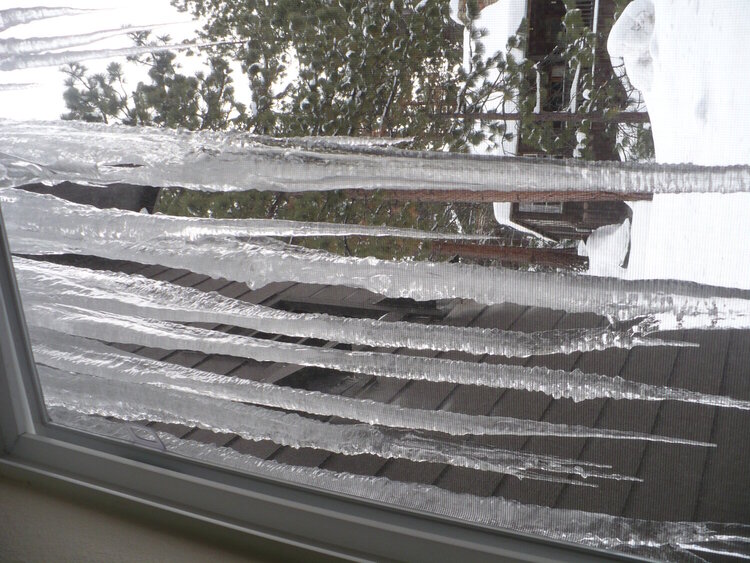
(45, 101)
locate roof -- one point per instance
(680, 482)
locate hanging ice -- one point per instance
(14, 47)
(136, 295)
(230, 161)
(115, 222)
(88, 357)
(42, 224)
(664, 541)
(135, 402)
(15, 62)
(17, 86)
(361, 144)
(574, 385)
(17, 16)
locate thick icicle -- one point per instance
(43, 224)
(133, 402)
(665, 541)
(17, 16)
(332, 143)
(110, 222)
(230, 161)
(8, 87)
(16, 62)
(89, 357)
(574, 385)
(139, 296)
(13, 46)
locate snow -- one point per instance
(502, 211)
(607, 248)
(689, 59)
(500, 21)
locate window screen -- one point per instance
(288, 246)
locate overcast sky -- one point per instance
(45, 101)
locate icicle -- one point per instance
(13, 46)
(65, 230)
(55, 59)
(9, 87)
(108, 222)
(88, 357)
(332, 143)
(139, 296)
(230, 161)
(132, 402)
(665, 541)
(574, 385)
(16, 16)
(43, 224)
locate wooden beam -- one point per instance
(489, 196)
(554, 257)
(621, 117)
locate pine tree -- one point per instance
(170, 99)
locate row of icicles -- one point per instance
(71, 311)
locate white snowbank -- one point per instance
(607, 248)
(689, 59)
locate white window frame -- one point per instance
(258, 513)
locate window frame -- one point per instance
(242, 508)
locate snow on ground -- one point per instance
(689, 59)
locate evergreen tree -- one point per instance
(602, 96)
(170, 99)
(352, 67)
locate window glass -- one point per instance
(306, 240)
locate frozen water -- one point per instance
(15, 47)
(109, 222)
(136, 295)
(17, 86)
(16, 16)
(41, 224)
(89, 357)
(134, 402)
(15, 62)
(231, 161)
(665, 541)
(575, 385)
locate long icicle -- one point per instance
(257, 263)
(106, 222)
(135, 402)
(16, 62)
(10, 87)
(574, 385)
(231, 161)
(139, 296)
(89, 357)
(17, 16)
(658, 540)
(15, 47)
(43, 224)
